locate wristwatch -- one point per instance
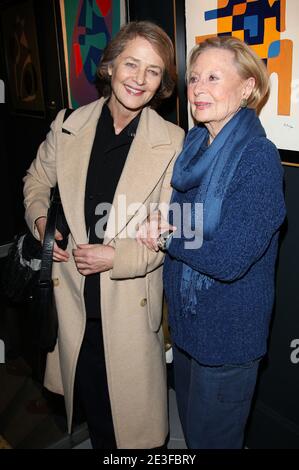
(163, 240)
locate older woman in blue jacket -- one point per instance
(220, 287)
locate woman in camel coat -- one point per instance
(129, 275)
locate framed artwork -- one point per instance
(270, 28)
(87, 27)
(24, 82)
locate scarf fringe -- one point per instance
(192, 283)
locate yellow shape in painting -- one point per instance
(260, 49)
(239, 33)
(282, 15)
(239, 9)
(270, 35)
(222, 3)
(225, 25)
(199, 39)
(282, 65)
(271, 2)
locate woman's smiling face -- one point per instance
(215, 88)
(136, 75)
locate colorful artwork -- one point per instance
(269, 27)
(88, 25)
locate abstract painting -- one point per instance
(270, 28)
(87, 26)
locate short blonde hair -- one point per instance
(247, 63)
(159, 40)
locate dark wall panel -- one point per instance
(275, 417)
(21, 135)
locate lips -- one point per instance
(202, 104)
(133, 91)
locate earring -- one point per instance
(243, 103)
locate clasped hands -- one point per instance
(150, 230)
(97, 258)
(89, 258)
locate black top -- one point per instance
(107, 160)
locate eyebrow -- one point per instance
(210, 71)
(137, 60)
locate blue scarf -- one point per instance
(211, 173)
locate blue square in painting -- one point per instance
(211, 15)
(274, 49)
(251, 24)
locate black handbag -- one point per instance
(23, 263)
(27, 275)
(22, 268)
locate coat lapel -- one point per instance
(73, 154)
(147, 161)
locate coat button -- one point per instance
(55, 282)
(143, 302)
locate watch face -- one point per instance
(166, 234)
(161, 242)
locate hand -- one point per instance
(91, 259)
(58, 254)
(150, 230)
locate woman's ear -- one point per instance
(110, 69)
(248, 87)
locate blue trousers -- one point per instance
(213, 402)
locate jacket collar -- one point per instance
(148, 159)
(152, 126)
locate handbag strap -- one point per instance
(48, 243)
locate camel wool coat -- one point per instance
(131, 292)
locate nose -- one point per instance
(199, 87)
(140, 76)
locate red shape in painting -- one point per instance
(78, 59)
(104, 6)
